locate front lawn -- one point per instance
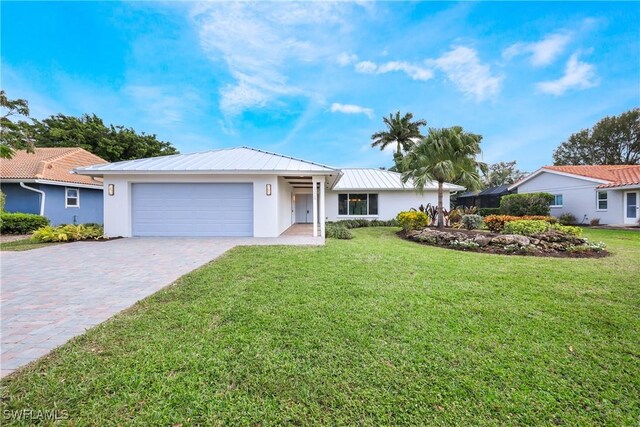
(370, 331)
(23, 245)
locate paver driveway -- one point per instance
(52, 294)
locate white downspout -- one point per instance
(42, 199)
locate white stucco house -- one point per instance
(245, 192)
(610, 193)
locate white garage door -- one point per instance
(199, 209)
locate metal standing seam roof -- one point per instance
(246, 159)
(223, 160)
(380, 179)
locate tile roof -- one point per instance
(50, 164)
(379, 179)
(617, 175)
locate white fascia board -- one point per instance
(204, 172)
(58, 183)
(620, 187)
(544, 170)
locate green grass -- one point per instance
(370, 331)
(23, 245)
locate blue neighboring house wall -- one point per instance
(20, 199)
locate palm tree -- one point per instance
(444, 155)
(400, 131)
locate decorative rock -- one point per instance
(510, 239)
(482, 240)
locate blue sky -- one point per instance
(313, 80)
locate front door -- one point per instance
(304, 208)
(631, 207)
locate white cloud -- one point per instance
(345, 59)
(351, 109)
(463, 68)
(366, 67)
(414, 71)
(260, 42)
(577, 75)
(543, 52)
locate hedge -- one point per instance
(21, 223)
(496, 223)
(526, 204)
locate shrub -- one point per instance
(467, 210)
(526, 227)
(412, 220)
(595, 221)
(335, 231)
(567, 219)
(472, 221)
(574, 231)
(588, 247)
(455, 216)
(526, 204)
(67, 233)
(488, 211)
(3, 198)
(496, 223)
(359, 223)
(464, 244)
(21, 223)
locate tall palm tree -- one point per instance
(444, 155)
(400, 131)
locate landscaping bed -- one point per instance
(551, 243)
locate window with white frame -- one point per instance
(557, 201)
(72, 198)
(603, 202)
(357, 204)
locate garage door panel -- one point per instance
(198, 209)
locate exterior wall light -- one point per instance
(111, 189)
(268, 189)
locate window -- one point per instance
(557, 201)
(357, 204)
(602, 201)
(72, 198)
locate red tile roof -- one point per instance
(617, 175)
(51, 164)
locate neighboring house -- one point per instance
(487, 198)
(43, 183)
(245, 192)
(609, 193)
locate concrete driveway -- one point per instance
(52, 294)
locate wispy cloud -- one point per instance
(351, 109)
(345, 59)
(463, 68)
(163, 105)
(260, 42)
(577, 75)
(543, 52)
(416, 72)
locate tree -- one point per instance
(502, 173)
(444, 155)
(401, 131)
(112, 143)
(612, 141)
(14, 135)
